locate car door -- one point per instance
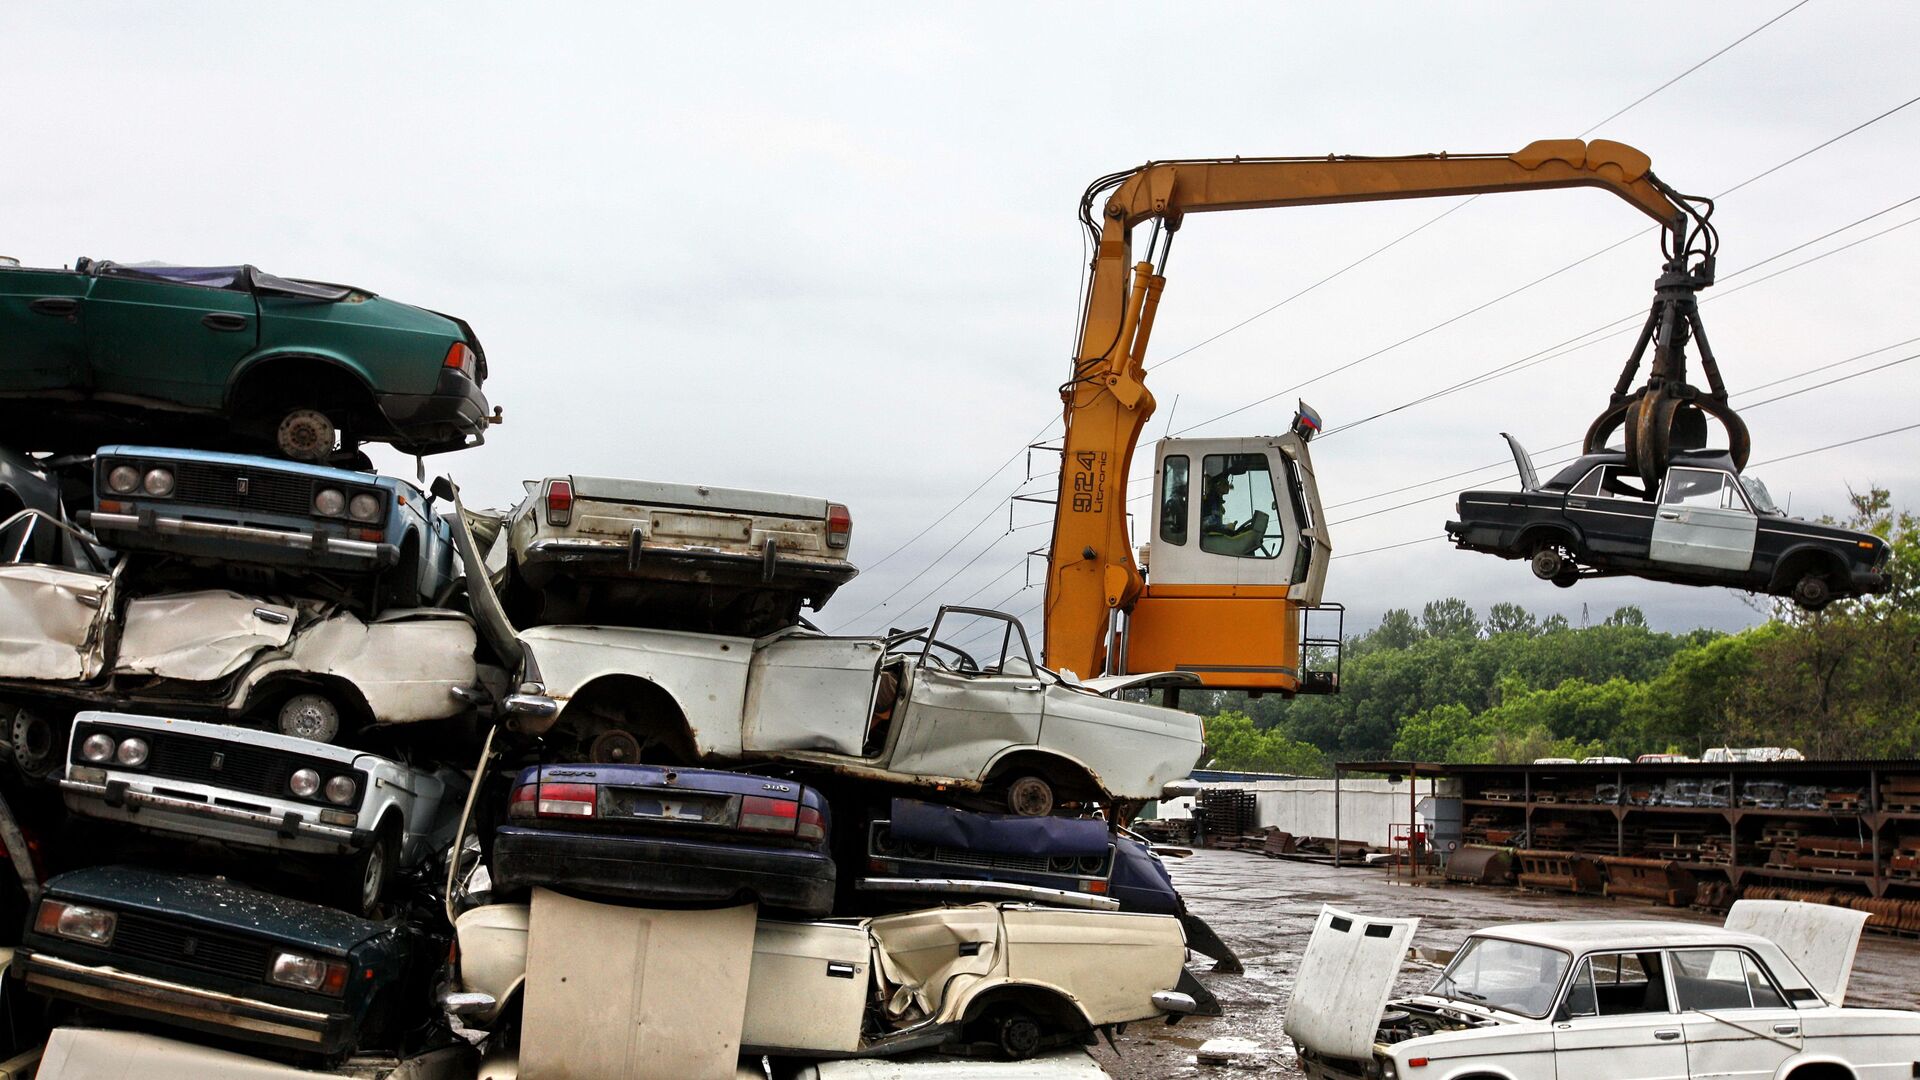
(973, 692)
(1738, 1024)
(43, 345)
(1616, 1020)
(1703, 520)
(1611, 512)
(170, 333)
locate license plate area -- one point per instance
(669, 805)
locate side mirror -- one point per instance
(443, 488)
(467, 1005)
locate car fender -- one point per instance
(1563, 524)
(1822, 553)
(959, 1007)
(705, 675)
(1040, 749)
(339, 361)
(406, 665)
(411, 794)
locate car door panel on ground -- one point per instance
(1618, 1021)
(161, 339)
(1703, 520)
(41, 331)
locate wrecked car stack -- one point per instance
(307, 762)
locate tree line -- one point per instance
(1450, 685)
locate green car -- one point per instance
(229, 357)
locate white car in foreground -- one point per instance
(1621, 1000)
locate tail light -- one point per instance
(460, 357)
(554, 800)
(761, 814)
(559, 502)
(839, 525)
(812, 825)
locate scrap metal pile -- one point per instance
(309, 763)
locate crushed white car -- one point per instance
(1758, 998)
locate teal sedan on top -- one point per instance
(230, 357)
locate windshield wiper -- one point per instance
(1469, 994)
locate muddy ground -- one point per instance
(1265, 908)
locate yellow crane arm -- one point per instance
(1091, 569)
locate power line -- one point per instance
(1722, 52)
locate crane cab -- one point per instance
(1234, 566)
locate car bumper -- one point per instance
(115, 801)
(1483, 536)
(221, 540)
(654, 869)
(189, 1006)
(636, 557)
(446, 419)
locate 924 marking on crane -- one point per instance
(1089, 482)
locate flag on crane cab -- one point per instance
(1306, 422)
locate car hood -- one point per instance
(220, 904)
(1344, 981)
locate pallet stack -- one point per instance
(1900, 794)
(1228, 814)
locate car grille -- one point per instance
(266, 491)
(217, 952)
(251, 769)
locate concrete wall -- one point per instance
(1368, 808)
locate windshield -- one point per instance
(1505, 975)
(1757, 494)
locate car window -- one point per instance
(1713, 979)
(1618, 984)
(1509, 975)
(1239, 515)
(1696, 488)
(206, 277)
(1757, 494)
(1173, 500)
(1610, 482)
(969, 641)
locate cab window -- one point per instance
(1610, 482)
(1616, 984)
(1711, 979)
(1697, 489)
(1239, 514)
(1173, 500)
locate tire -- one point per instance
(400, 583)
(1016, 1035)
(309, 715)
(366, 874)
(1548, 563)
(306, 435)
(1812, 592)
(1566, 579)
(34, 740)
(1029, 796)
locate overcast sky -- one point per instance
(832, 248)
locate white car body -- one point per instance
(175, 790)
(849, 704)
(1625, 999)
(70, 634)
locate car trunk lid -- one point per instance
(1820, 940)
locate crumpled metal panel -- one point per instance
(914, 821)
(922, 962)
(1345, 978)
(1111, 962)
(199, 636)
(405, 664)
(48, 622)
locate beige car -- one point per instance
(1010, 979)
(595, 549)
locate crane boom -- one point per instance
(1092, 573)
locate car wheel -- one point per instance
(1565, 579)
(1812, 592)
(363, 881)
(31, 736)
(1549, 563)
(614, 747)
(306, 435)
(1030, 796)
(309, 716)
(1017, 1035)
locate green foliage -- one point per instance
(1843, 682)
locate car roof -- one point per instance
(1696, 459)
(1587, 935)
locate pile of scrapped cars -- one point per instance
(317, 766)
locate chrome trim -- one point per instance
(264, 822)
(1005, 890)
(166, 526)
(174, 999)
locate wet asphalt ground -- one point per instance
(1265, 908)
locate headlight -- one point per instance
(364, 507)
(132, 752)
(329, 502)
(124, 480)
(91, 925)
(308, 973)
(304, 782)
(98, 747)
(341, 790)
(158, 483)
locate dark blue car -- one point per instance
(667, 835)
